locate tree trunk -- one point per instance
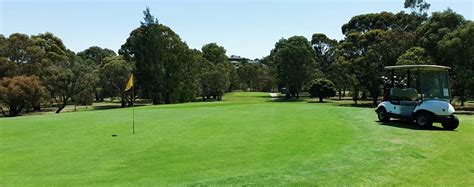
(375, 97)
(355, 95)
(155, 100)
(321, 99)
(37, 107)
(61, 107)
(167, 98)
(340, 94)
(97, 98)
(364, 95)
(14, 110)
(374, 101)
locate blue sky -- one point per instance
(247, 28)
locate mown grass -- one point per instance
(246, 139)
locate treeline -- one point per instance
(325, 67)
(39, 70)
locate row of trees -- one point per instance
(39, 70)
(371, 42)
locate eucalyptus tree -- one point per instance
(295, 64)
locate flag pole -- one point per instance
(133, 109)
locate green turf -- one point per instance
(247, 139)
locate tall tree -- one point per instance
(65, 80)
(114, 74)
(324, 50)
(458, 48)
(295, 63)
(95, 55)
(162, 61)
(433, 31)
(371, 51)
(216, 69)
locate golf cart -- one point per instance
(418, 93)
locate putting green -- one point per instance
(247, 139)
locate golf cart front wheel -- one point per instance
(424, 119)
(383, 115)
(451, 124)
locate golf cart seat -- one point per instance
(407, 94)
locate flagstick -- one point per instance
(133, 109)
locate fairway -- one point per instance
(246, 139)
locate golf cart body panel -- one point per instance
(420, 93)
(439, 108)
(397, 110)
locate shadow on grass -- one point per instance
(283, 99)
(107, 107)
(319, 102)
(360, 105)
(464, 112)
(409, 125)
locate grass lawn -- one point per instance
(247, 139)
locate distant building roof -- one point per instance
(235, 57)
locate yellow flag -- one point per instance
(129, 83)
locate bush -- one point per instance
(322, 88)
(18, 93)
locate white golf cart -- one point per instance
(420, 93)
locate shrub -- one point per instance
(322, 88)
(18, 93)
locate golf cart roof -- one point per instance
(419, 67)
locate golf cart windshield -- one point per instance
(428, 81)
(433, 85)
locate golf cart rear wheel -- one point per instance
(424, 119)
(383, 115)
(451, 124)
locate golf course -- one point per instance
(246, 139)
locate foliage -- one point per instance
(163, 62)
(255, 77)
(68, 79)
(322, 88)
(433, 31)
(7, 68)
(295, 64)
(458, 48)
(384, 21)
(324, 50)
(341, 75)
(215, 71)
(370, 52)
(96, 54)
(214, 53)
(18, 93)
(414, 56)
(114, 74)
(418, 6)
